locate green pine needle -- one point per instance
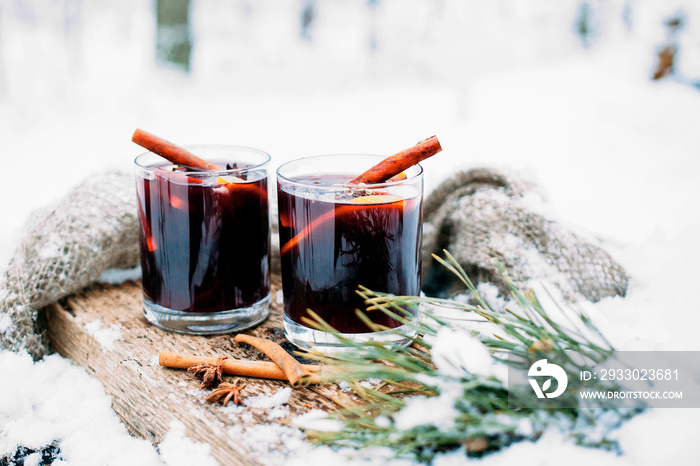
(484, 422)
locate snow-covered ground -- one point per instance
(505, 83)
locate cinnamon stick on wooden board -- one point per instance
(298, 375)
(397, 163)
(171, 152)
(259, 369)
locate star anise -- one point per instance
(208, 372)
(227, 392)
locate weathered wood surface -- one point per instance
(148, 397)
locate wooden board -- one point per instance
(148, 397)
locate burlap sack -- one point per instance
(481, 216)
(64, 249)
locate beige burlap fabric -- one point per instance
(65, 248)
(482, 216)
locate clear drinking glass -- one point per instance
(335, 236)
(205, 240)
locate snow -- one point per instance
(272, 444)
(316, 419)
(552, 449)
(53, 400)
(104, 336)
(278, 398)
(490, 294)
(33, 459)
(438, 410)
(5, 323)
(52, 247)
(370, 383)
(377, 456)
(344, 386)
(458, 353)
(506, 84)
(382, 421)
(178, 450)
(116, 276)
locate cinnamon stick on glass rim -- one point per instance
(258, 369)
(397, 163)
(171, 152)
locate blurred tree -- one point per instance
(584, 21)
(627, 14)
(308, 15)
(173, 36)
(667, 52)
(372, 5)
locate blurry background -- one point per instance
(562, 90)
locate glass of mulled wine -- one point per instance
(335, 236)
(205, 240)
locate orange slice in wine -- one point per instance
(376, 199)
(340, 210)
(229, 179)
(235, 184)
(307, 229)
(178, 177)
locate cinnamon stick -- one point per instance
(298, 375)
(259, 369)
(170, 151)
(397, 163)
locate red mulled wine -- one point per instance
(204, 238)
(333, 240)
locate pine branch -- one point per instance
(484, 421)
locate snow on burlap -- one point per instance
(65, 248)
(482, 215)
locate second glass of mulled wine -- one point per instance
(336, 236)
(205, 240)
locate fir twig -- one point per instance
(484, 419)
